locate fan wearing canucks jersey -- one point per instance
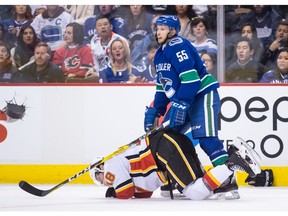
(182, 79)
(50, 26)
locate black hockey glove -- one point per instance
(263, 179)
(110, 193)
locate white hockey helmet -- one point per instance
(94, 171)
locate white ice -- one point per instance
(78, 199)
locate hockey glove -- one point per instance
(263, 179)
(110, 193)
(150, 114)
(178, 113)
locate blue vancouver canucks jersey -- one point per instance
(181, 74)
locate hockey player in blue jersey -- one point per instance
(182, 79)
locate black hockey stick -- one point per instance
(41, 193)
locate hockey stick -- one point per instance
(41, 193)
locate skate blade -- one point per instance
(167, 194)
(248, 153)
(230, 195)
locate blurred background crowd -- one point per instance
(116, 43)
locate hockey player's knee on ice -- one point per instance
(197, 190)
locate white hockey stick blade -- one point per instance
(245, 151)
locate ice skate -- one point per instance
(228, 190)
(241, 158)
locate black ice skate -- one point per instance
(228, 190)
(241, 158)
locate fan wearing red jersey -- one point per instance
(75, 58)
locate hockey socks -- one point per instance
(216, 176)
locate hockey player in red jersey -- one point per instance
(169, 156)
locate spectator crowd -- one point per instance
(116, 43)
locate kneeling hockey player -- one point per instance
(169, 156)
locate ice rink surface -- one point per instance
(72, 199)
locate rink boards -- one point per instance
(67, 126)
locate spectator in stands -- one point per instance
(280, 73)
(101, 41)
(245, 68)
(75, 59)
(248, 31)
(8, 71)
(138, 24)
(42, 70)
(21, 17)
(282, 10)
(139, 54)
(24, 51)
(119, 10)
(210, 61)
(117, 22)
(275, 44)
(5, 38)
(264, 18)
(5, 12)
(149, 71)
(80, 12)
(185, 13)
(232, 15)
(202, 40)
(50, 26)
(210, 15)
(120, 69)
